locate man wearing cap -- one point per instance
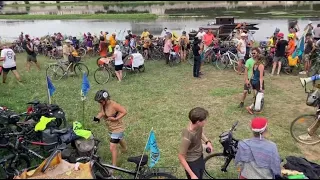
(200, 34)
(241, 49)
(257, 157)
(67, 52)
(281, 48)
(309, 27)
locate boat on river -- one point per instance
(224, 26)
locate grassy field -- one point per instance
(93, 3)
(161, 98)
(136, 16)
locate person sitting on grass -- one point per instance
(190, 154)
(257, 157)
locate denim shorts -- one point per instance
(116, 137)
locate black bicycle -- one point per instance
(102, 171)
(216, 165)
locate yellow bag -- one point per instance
(75, 54)
(59, 169)
(293, 61)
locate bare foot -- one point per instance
(249, 110)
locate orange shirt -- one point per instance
(208, 38)
(291, 46)
(112, 41)
(103, 49)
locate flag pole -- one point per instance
(48, 91)
(144, 151)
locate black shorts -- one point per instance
(184, 48)
(9, 69)
(257, 86)
(197, 168)
(143, 48)
(246, 87)
(118, 67)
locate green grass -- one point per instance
(161, 98)
(82, 16)
(126, 3)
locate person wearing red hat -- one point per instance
(257, 157)
(281, 48)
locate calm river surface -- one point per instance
(10, 29)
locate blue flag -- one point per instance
(153, 148)
(50, 86)
(85, 86)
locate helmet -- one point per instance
(184, 32)
(280, 35)
(101, 95)
(277, 30)
(259, 124)
(290, 35)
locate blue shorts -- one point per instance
(202, 57)
(116, 137)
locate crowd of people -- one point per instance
(257, 157)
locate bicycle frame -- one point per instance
(231, 61)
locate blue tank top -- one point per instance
(256, 75)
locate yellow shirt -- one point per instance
(112, 41)
(145, 34)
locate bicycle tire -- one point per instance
(57, 67)
(105, 73)
(82, 52)
(301, 119)
(191, 58)
(216, 174)
(223, 63)
(235, 67)
(84, 67)
(100, 171)
(157, 175)
(11, 171)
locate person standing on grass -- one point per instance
(167, 47)
(257, 80)
(112, 113)
(257, 157)
(190, 153)
(197, 57)
(32, 56)
(200, 34)
(241, 49)
(281, 48)
(183, 41)
(309, 48)
(9, 63)
(118, 62)
(248, 73)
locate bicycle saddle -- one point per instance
(35, 102)
(137, 159)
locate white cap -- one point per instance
(68, 41)
(243, 34)
(310, 22)
(117, 47)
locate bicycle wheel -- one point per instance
(213, 165)
(159, 176)
(55, 72)
(191, 58)
(101, 75)
(22, 163)
(299, 127)
(100, 171)
(80, 68)
(222, 63)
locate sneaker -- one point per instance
(302, 72)
(306, 137)
(241, 105)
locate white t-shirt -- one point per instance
(200, 35)
(242, 46)
(118, 58)
(9, 61)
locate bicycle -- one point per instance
(103, 72)
(229, 59)
(101, 170)
(302, 123)
(315, 68)
(230, 146)
(59, 72)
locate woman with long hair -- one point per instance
(257, 81)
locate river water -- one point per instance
(10, 29)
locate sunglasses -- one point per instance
(253, 53)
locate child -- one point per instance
(190, 154)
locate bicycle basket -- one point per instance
(313, 98)
(59, 169)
